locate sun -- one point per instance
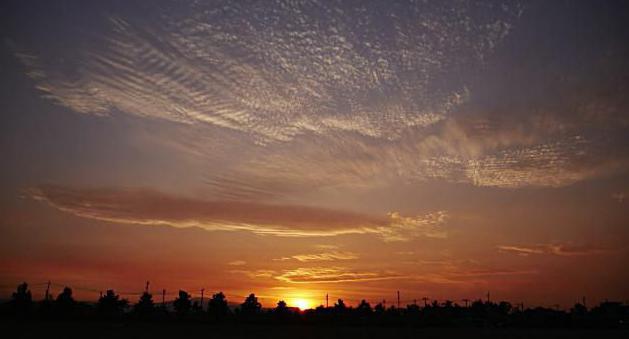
(302, 304)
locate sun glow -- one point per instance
(302, 304)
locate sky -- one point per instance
(293, 149)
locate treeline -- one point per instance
(111, 307)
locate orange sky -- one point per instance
(295, 150)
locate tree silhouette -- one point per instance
(364, 308)
(504, 307)
(412, 308)
(251, 306)
(579, 309)
(340, 306)
(608, 314)
(145, 306)
(65, 304)
(217, 306)
(282, 312)
(22, 300)
(196, 307)
(110, 305)
(281, 308)
(182, 304)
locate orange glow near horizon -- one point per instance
(298, 149)
(302, 303)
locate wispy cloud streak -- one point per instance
(325, 256)
(146, 207)
(332, 275)
(558, 249)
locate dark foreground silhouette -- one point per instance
(113, 316)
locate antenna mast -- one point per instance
(398, 299)
(202, 291)
(47, 291)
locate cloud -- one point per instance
(332, 102)
(295, 72)
(490, 273)
(458, 151)
(326, 247)
(619, 196)
(237, 263)
(147, 207)
(566, 250)
(332, 275)
(466, 277)
(343, 274)
(326, 256)
(401, 227)
(255, 274)
(465, 271)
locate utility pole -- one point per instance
(327, 301)
(425, 299)
(47, 291)
(584, 302)
(488, 295)
(164, 298)
(398, 299)
(146, 288)
(202, 291)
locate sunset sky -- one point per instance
(297, 148)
